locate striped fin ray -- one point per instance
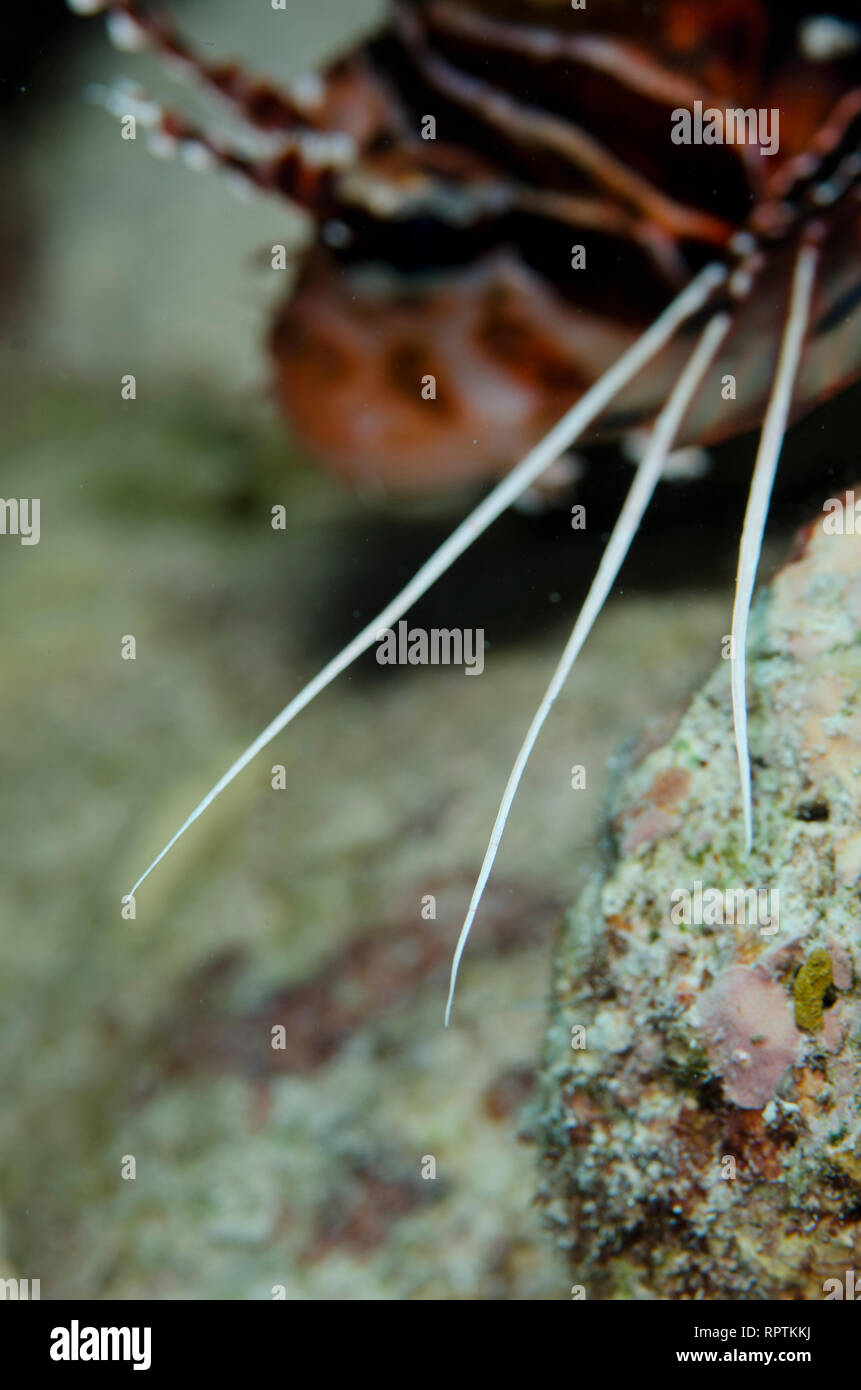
(525, 124)
(689, 303)
(762, 482)
(633, 509)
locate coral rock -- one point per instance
(701, 1119)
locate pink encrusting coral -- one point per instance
(702, 1098)
(750, 1035)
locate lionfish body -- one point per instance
(553, 131)
(475, 144)
(508, 201)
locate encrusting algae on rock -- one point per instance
(701, 1119)
(812, 985)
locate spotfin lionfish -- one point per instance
(454, 165)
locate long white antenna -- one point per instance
(560, 438)
(762, 482)
(645, 480)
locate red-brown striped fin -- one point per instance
(532, 127)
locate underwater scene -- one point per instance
(430, 695)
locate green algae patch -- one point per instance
(812, 983)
